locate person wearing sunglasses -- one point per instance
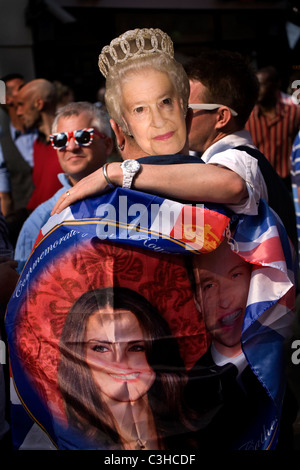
(81, 136)
(225, 77)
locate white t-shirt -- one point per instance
(223, 153)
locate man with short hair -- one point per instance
(220, 77)
(79, 154)
(225, 77)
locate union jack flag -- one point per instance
(141, 241)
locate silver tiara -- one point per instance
(133, 44)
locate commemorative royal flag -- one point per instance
(106, 326)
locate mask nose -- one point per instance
(157, 119)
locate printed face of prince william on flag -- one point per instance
(222, 283)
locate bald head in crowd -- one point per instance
(37, 101)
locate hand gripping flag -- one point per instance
(127, 252)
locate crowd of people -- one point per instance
(213, 131)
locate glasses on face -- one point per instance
(82, 137)
(211, 107)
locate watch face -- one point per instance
(131, 165)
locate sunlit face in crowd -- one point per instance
(202, 131)
(115, 354)
(153, 112)
(79, 161)
(222, 285)
(28, 108)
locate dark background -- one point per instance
(68, 51)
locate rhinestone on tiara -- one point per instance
(133, 44)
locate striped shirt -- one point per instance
(274, 136)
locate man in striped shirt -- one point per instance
(273, 124)
(8, 280)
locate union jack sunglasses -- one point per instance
(82, 137)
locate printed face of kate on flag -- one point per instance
(115, 354)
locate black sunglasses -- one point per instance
(82, 137)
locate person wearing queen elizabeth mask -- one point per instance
(147, 93)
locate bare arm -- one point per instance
(191, 182)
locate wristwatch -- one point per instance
(130, 168)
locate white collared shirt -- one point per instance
(223, 153)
